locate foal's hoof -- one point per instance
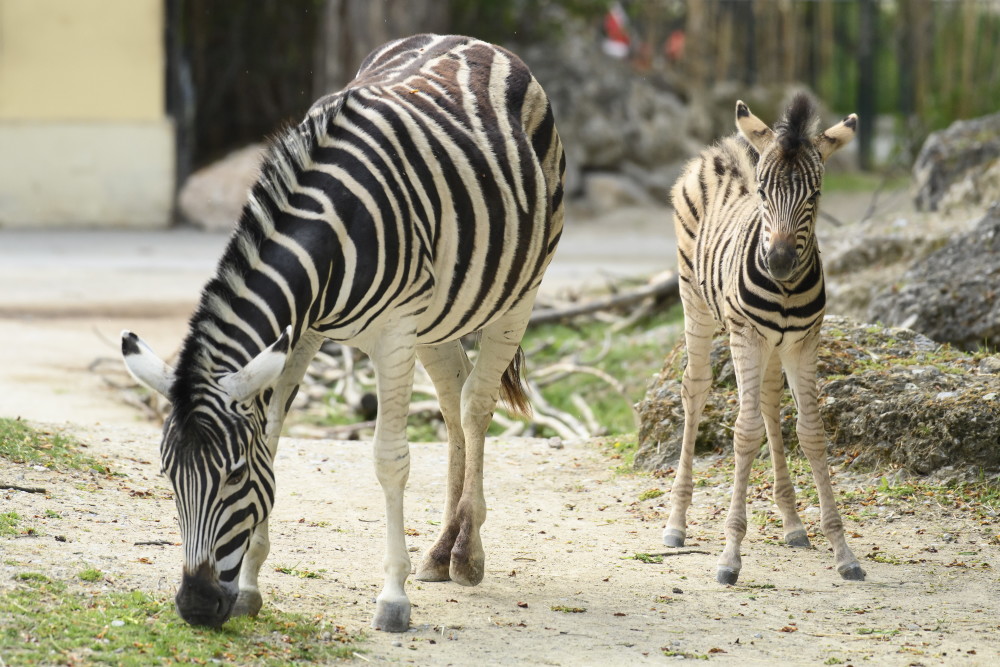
(248, 603)
(469, 572)
(852, 572)
(392, 616)
(726, 575)
(797, 538)
(673, 537)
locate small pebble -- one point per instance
(913, 626)
(758, 636)
(941, 395)
(677, 591)
(397, 644)
(990, 396)
(117, 623)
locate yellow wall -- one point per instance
(73, 60)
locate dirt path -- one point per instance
(562, 532)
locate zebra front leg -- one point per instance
(698, 330)
(249, 601)
(393, 356)
(784, 492)
(809, 427)
(748, 356)
(448, 367)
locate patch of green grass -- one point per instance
(568, 610)
(648, 558)
(22, 443)
(50, 514)
(8, 524)
(296, 572)
(90, 574)
(649, 494)
(45, 622)
(672, 653)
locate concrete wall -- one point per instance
(84, 135)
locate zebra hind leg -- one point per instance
(498, 346)
(448, 367)
(784, 492)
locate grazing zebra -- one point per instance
(745, 217)
(419, 204)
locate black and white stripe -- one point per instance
(420, 203)
(745, 218)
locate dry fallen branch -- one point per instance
(664, 290)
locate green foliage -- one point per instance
(649, 559)
(46, 622)
(8, 524)
(91, 575)
(649, 494)
(22, 443)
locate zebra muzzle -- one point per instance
(781, 259)
(202, 600)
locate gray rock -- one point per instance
(960, 165)
(889, 398)
(213, 197)
(952, 294)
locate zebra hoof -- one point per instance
(726, 575)
(248, 603)
(852, 571)
(468, 573)
(673, 537)
(797, 538)
(392, 616)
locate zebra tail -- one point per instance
(512, 390)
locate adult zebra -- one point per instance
(745, 216)
(420, 203)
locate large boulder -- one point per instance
(213, 197)
(953, 294)
(960, 166)
(889, 398)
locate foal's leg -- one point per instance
(480, 394)
(698, 330)
(448, 366)
(800, 364)
(749, 354)
(784, 492)
(393, 355)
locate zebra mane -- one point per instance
(287, 153)
(797, 125)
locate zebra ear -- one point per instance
(145, 366)
(752, 128)
(262, 371)
(838, 136)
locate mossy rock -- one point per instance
(889, 398)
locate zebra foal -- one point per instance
(419, 204)
(745, 217)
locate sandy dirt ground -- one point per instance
(562, 586)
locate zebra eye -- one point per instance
(237, 475)
(763, 195)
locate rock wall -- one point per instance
(960, 166)
(953, 294)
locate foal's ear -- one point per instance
(752, 128)
(261, 372)
(838, 136)
(145, 366)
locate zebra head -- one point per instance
(215, 451)
(789, 177)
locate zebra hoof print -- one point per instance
(745, 215)
(421, 203)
